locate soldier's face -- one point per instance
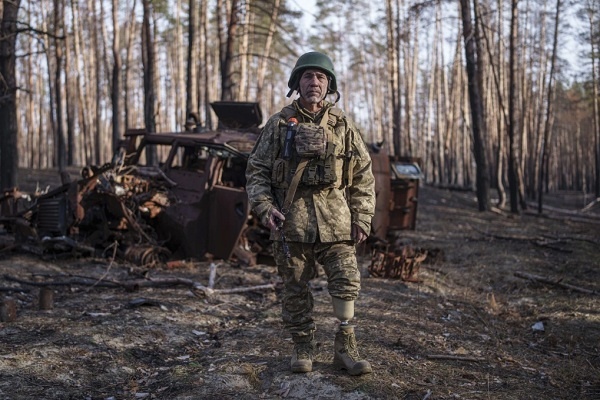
(313, 86)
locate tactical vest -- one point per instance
(331, 169)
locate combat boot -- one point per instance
(303, 354)
(346, 354)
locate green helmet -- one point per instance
(312, 59)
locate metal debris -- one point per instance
(403, 263)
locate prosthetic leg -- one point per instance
(345, 350)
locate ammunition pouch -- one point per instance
(311, 140)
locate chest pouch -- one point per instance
(311, 141)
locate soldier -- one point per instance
(309, 180)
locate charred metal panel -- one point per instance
(52, 216)
(237, 115)
(405, 177)
(182, 228)
(228, 214)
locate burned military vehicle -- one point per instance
(178, 195)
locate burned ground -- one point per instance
(469, 328)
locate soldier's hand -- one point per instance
(275, 218)
(358, 234)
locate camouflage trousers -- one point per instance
(343, 280)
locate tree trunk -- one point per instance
(512, 111)
(149, 67)
(101, 140)
(243, 50)
(226, 47)
(116, 79)
(482, 180)
(9, 155)
(393, 71)
(70, 103)
(58, 85)
(127, 84)
(191, 103)
(591, 15)
(546, 145)
(205, 52)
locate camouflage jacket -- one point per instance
(324, 210)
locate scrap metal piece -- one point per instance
(404, 263)
(146, 255)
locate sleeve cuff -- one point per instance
(262, 211)
(364, 221)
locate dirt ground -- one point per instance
(468, 329)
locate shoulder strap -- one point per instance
(288, 112)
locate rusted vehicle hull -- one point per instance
(177, 195)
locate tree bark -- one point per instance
(393, 71)
(482, 180)
(591, 13)
(148, 58)
(9, 155)
(58, 85)
(546, 145)
(116, 79)
(127, 84)
(512, 111)
(191, 103)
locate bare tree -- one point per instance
(191, 100)
(549, 112)
(393, 71)
(149, 63)
(9, 155)
(590, 12)
(58, 84)
(116, 77)
(513, 152)
(476, 107)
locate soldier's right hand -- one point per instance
(274, 219)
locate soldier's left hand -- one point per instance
(358, 234)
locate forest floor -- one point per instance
(469, 328)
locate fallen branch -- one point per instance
(12, 289)
(454, 357)
(136, 284)
(590, 205)
(558, 283)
